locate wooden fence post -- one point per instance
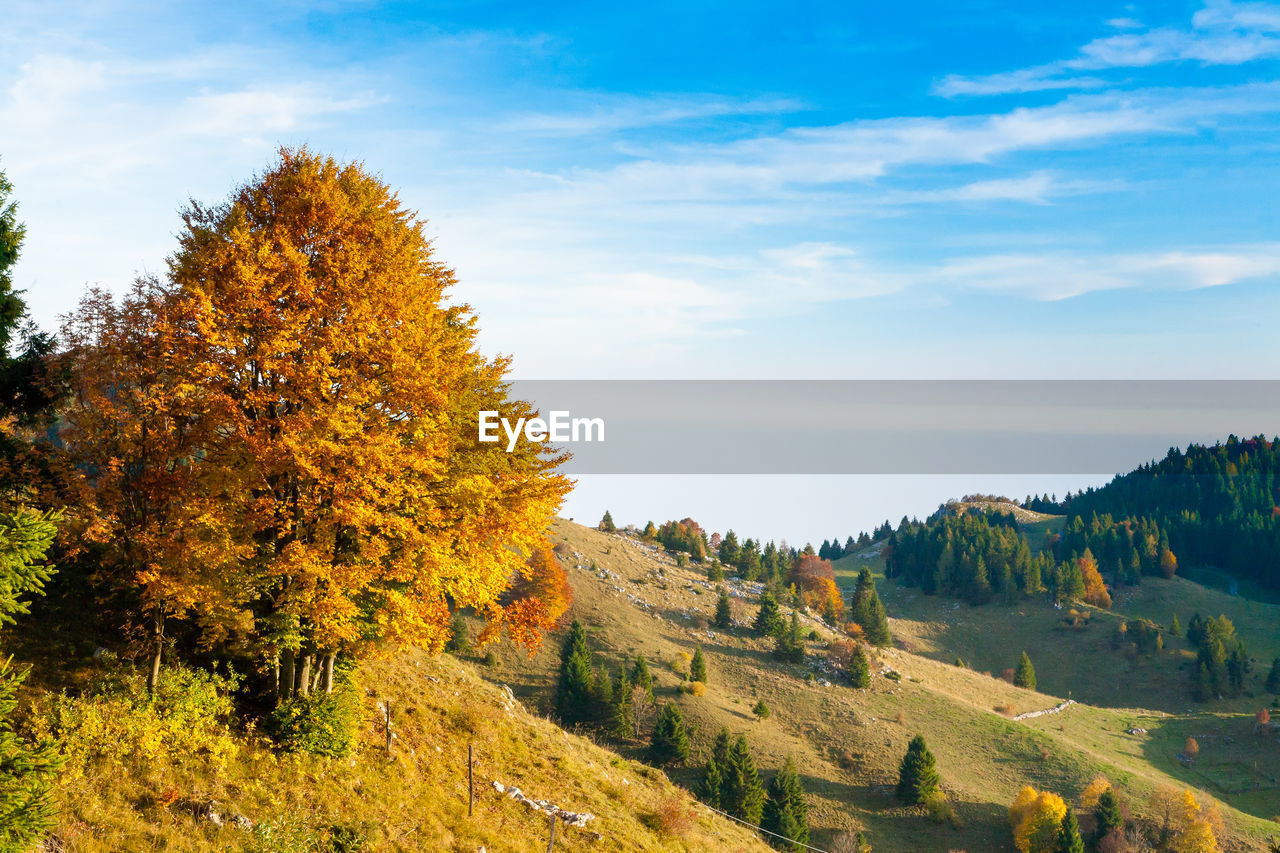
(552, 842)
(471, 788)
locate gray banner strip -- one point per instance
(894, 427)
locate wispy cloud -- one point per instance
(1222, 33)
(608, 113)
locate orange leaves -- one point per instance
(298, 382)
(1095, 590)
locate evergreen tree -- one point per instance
(1203, 689)
(708, 789)
(918, 773)
(761, 710)
(670, 744)
(698, 666)
(622, 721)
(868, 611)
(724, 611)
(1175, 627)
(26, 770)
(1025, 675)
(769, 618)
(575, 689)
(785, 812)
(650, 532)
(1273, 677)
(789, 646)
(742, 795)
(1107, 815)
(715, 571)
(1069, 840)
(606, 523)
(640, 676)
(721, 750)
(859, 669)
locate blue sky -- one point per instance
(734, 190)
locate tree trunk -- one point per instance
(275, 673)
(287, 674)
(304, 677)
(157, 635)
(328, 671)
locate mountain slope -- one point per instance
(847, 743)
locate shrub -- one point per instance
(117, 721)
(320, 724)
(940, 810)
(490, 658)
(694, 688)
(761, 710)
(671, 820)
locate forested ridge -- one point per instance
(1219, 505)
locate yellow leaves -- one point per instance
(1094, 790)
(1036, 817)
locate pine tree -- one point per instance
(698, 666)
(606, 523)
(670, 743)
(1203, 690)
(574, 691)
(1273, 677)
(640, 676)
(622, 721)
(1069, 840)
(859, 669)
(26, 770)
(789, 646)
(868, 611)
(742, 795)
(761, 710)
(1025, 675)
(785, 812)
(1175, 627)
(918, 773)
(768, 620)
(724, 611)
(1107, 815)
(708, 789)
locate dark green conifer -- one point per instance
(1273, 677)
(1025, 675)
(574, 691)
(670, 744)
(742, 795)
(641, 677)
(918, 773)
(698, 666)
(724, 611)
(1069, 840)
(859, 669)
(769, 618)
(785, 812)
(1107, 815)
(789, 646)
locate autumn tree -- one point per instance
(301, 374)
(1036, 819)
(1095, 590)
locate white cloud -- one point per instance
(608, 113)
(1222, 33)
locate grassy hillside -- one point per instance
(161, 790)
(847, 743)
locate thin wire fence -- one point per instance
(760, 829)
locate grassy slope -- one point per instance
(847, 743)
(414, 801)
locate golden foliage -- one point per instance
(1035, 817)
(1095, 590)
(289, 421)
(1094, 790)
